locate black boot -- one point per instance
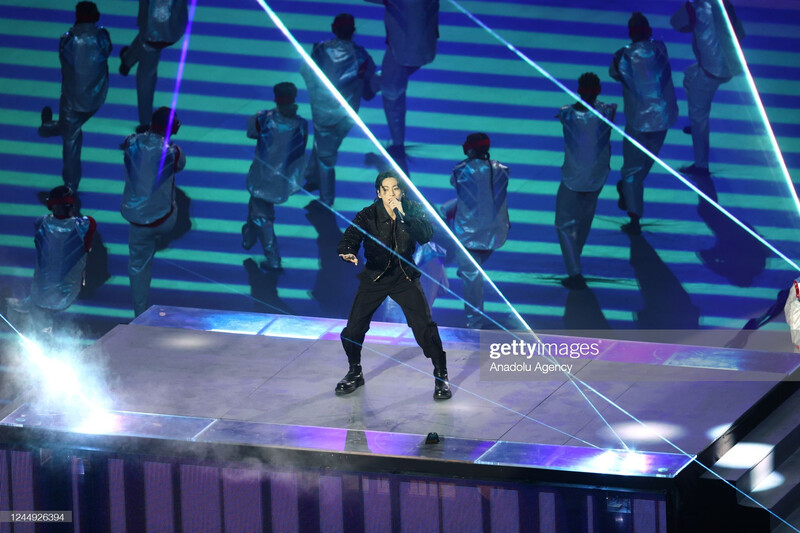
(248, 237)
(351, 381)
(47, 114)
(123, 70)
(633, 227)
(576, 282)
(441, 389)
(621, 202)
(269, 241)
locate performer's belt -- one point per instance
(156, 222)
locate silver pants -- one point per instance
(636, 165)
(142, 246)
(394, 82)
(321, 171)
(574, 215)
(473, 285)
(261, 225)
(700, 89)
(146, 74)
(69, 126)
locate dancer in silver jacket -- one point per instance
(161, 23)
(148, 200)
(480, 217)
(650, 109)
(587, 153)
(350, 69)
(63, 241)
(412, 29)
(276, 170)
(717, 62)
(83, 52)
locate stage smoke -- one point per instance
(58, 379)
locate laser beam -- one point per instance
(751, 83)
(619, 130)
(177, 90)
(354, 116)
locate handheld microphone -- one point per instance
(399, 215)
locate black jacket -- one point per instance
(375, 221)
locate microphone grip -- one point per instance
(399, 216)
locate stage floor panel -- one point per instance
(269, 379)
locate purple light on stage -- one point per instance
(177, 90)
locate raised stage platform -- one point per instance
(251, 390)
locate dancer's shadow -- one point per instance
(264, 289)
(377, 162)
(582, 311)
(400, 155)
(742, 337)
(182, 225)
(96, 273)
(736, 255)
(335, 277)
(667, 305)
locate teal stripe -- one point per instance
(537, 280)
(532, 217)
(299, 294)
(242, 17)
(437, 91)
(230, 131)
(455, 34)
(621, 253)
(359, 145)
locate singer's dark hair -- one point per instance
(389, 174)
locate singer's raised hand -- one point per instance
(396, 204)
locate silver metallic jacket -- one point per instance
(60, 260)
(643, 68)
(412, 28)
(711, 39)
(481, 220)
(148, 198)
(162, 21)
(587, 150)
(277, 170)
(349, 67)
(84, 52)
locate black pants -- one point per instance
(409, 296)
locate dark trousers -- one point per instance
(409, 296)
